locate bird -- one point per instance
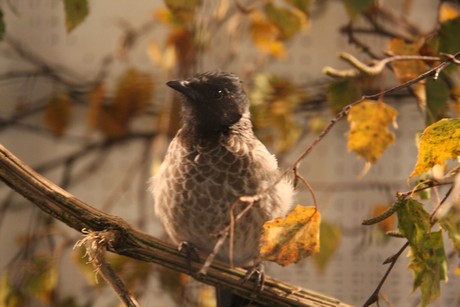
(214, 159)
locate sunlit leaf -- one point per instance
(356, 7)
(330, 238)
(439, 142)
(437, 95)
(290, 239)
(369, 135)
(343, 92)
(447, 11)
(75, 12)
(451, 224)
(429, 265)
(2, 25)
(410, 69)
(284, 19)
(58, 114)
(265, 35)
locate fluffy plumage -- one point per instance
(214, 159)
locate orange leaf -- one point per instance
(265, 36)
(448, 11)
(101, 116)
(58, 114)
(290, 239)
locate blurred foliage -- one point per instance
(75, 13)
(278, 105)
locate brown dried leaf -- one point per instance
(58, 114)
(410, 69)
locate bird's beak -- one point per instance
(182, 87)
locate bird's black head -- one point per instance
(214, 101)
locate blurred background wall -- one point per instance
(114, 178)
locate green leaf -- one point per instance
(451, 224)
(427, 255)
(429, 265)
(356, 7)
(75, 12)
(343, 92)
(413, 221)
(2, 25)
(449, 33)
(330, 237)
(284, 19)
(437, 95)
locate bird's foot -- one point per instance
(191, 253)
(256, 273)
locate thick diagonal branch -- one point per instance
(138, 245)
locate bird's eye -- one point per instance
(219, 94)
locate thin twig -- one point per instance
(392, 261)
(250, 199)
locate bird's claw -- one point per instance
(191, 253)
(256, 272)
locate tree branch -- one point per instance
(133, 243)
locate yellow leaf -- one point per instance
(265, 35)
(290, 239)
(58, 114)
(163, 15)
(166, 58)
(439, 142)
(369, 135)
(409, 69)
(448, 11)
(288, 21)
